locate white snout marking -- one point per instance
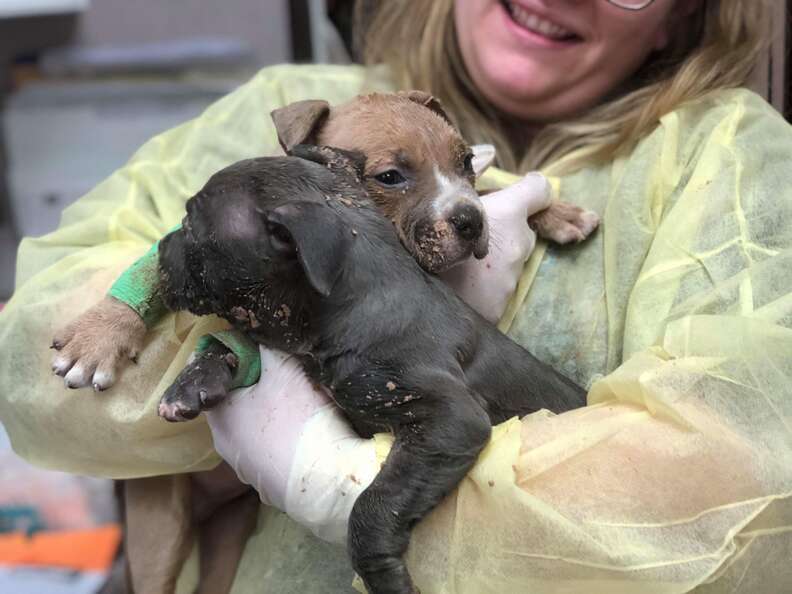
(450, 192)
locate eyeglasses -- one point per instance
(631, 4)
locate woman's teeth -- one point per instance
(537, 25)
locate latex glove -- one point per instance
(488, 284)
(287, 439)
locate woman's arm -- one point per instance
(118, 433)
(678, 474)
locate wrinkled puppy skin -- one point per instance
(293, 252)
(92, 348)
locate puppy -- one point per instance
(418, 170)
(318, 248)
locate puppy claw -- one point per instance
(102, 380)
(61, 365)
(70, 385)
(589, 221)
(78, 377)
(210, 399)
(231, 360)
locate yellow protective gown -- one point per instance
(677, 314)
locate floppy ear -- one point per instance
(427, 100)
(299, 122)
(483, 156)
(316, 235)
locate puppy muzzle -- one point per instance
(470, 225)
(443, 242)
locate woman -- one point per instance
(678, 474)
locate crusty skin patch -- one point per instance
(92, 348)
(564, 223)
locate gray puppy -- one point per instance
(292, 251)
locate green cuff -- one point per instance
(248, 370)
(138, 287)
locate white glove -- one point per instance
(286, 439)
(488, 284)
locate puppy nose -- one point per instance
(468, 221)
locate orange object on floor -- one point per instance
(82, 550)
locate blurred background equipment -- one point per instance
(83, 84)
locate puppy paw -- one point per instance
(564, 223)
(201, 385)
(92, 350)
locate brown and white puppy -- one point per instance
(421, 173)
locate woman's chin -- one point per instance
(519, 92)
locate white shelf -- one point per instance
(25, 8)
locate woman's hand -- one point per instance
(488, 284)
(285, 438)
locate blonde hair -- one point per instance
(716, 48)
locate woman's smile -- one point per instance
(537, 28)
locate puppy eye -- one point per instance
(280, 238)
(467, 165)
(391, 177)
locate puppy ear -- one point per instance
(483, 156)
(427, 100)
(299, 122)
(314, 234)
(332, 158)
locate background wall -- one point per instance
(116, 72)
(261, 23)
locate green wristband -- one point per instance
(138, 287)
(248, 370)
